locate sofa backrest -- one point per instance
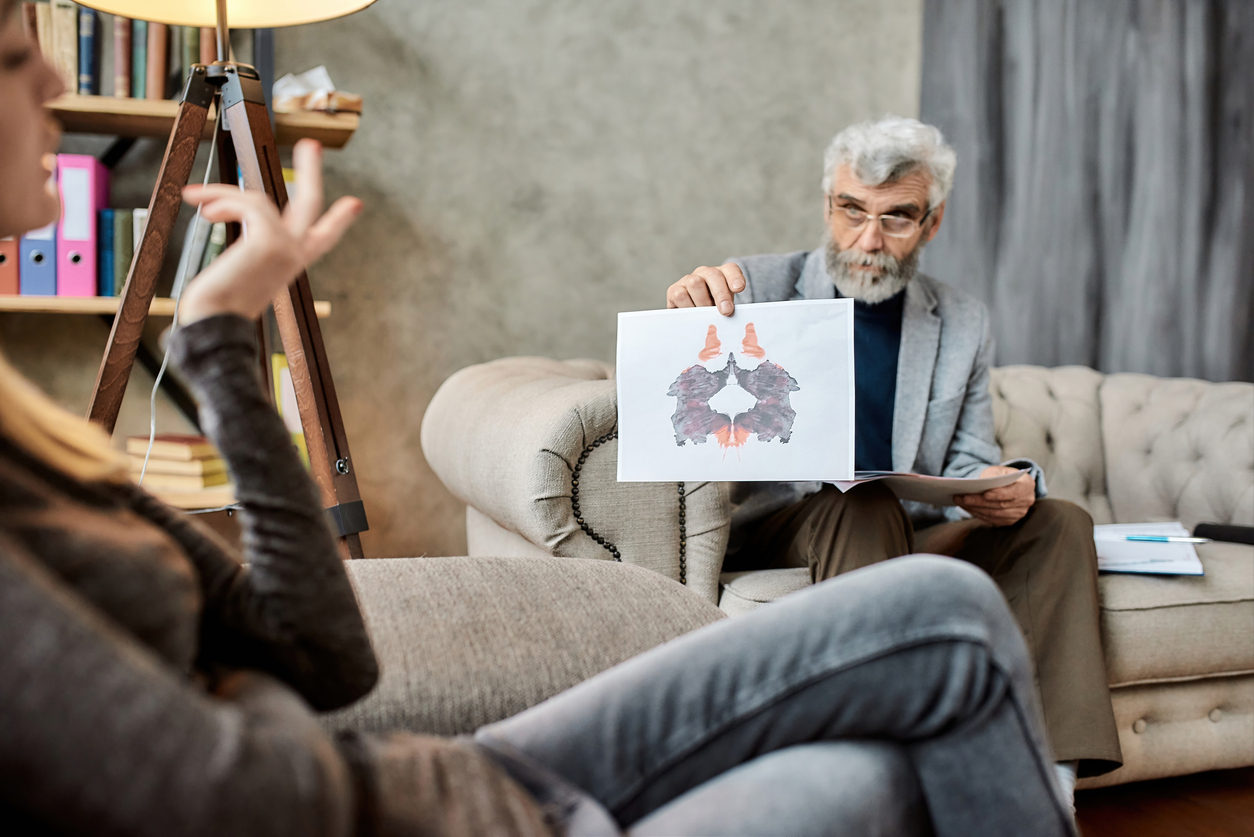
(1179, 449)
(1132, 448)
(1053, 417)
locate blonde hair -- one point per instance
(58, 438)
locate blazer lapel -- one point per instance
(916, 360)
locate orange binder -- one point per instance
(8, 266)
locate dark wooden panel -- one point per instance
(1216, 804)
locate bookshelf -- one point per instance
(161, 306)
(155, 117)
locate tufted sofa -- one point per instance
(529, 445)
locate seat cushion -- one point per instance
(1171, 729)
(742, 592)
(463, 642)
(1158, 629)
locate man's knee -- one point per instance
(871, 499)
(949, 586)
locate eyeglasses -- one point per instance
(895, 226)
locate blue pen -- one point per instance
(1165, 539)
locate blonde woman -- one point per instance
(153, 683)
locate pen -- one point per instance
(1165, 539)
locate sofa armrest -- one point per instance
(463, 642)
(510, 437)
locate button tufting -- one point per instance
(1139, 726)
(1215, 716)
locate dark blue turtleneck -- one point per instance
(876, 344)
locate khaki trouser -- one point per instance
(1045, 565)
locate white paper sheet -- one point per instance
(939, 491)
(1116, 554)
(685, 412)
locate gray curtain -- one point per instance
(1104, 202)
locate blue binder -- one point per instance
(37, 253)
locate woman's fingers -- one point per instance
(303, 211)
(328, 229)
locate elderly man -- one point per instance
(921, 355)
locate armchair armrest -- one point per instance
(532, 444)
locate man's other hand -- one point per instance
(1001, 506)
(707, 286)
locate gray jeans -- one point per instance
(896, 700)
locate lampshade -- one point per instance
(241, 14)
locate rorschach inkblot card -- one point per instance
(765, 394)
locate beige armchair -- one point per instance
(529, 445)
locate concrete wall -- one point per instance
(532, 167)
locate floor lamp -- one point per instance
(245, 143)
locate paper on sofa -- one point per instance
(766, 394)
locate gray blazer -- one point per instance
(943, 415)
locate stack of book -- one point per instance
(143, 60)
(185, 471)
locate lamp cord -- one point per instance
(179, 284)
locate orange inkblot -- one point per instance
(731, 436)
(713, 348)
(750, 344)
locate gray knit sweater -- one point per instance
(154, 683)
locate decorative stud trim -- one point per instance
(604, 542)
(574, 494)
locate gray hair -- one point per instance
(884, 150)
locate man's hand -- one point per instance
(707, 286)
(1001, 506)
(274, 248)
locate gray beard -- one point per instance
(892, 279)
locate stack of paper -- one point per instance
(1117, 554)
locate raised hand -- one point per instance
(274, 247)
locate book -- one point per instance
(158, 60)
(191, 467)
(194, 242)
(105, 263)
(174, 60)
(88, 52)
(285, 403)
(138, 223)
(123, 247)
(208, 45)
(206, 498)
(180, 482)
(191, 48)
(177, 446)
(139, 59)
(84, 187)
(122, 56)
(65, 42)
(215, 245)
(43, 24)
(9, 282)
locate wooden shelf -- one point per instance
(161, 307)
(155, 118)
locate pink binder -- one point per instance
(84, 187)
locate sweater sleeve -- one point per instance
(99, 737)
(290, 608)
